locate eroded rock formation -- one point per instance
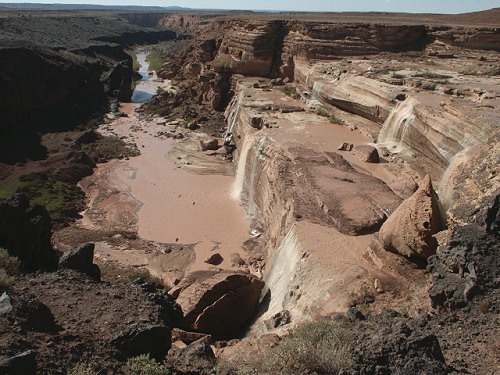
(409, 230)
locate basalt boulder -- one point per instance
(81, 259)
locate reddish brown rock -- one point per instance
(366, 153)
(350, 201)
(409, 230)
(404, 187)
(221, 303)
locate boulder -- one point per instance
(215, 259)
(221, 303)
(81, 259)
(236, 260)
(404, 187)
(25, 232)
(257, 122)
(5, 304)
(194, 358)
(345, 147)
(24, 363)
(211, 145)
(409, 230)
(366, 153)
(151, 339)
(278, 320)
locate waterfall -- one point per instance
(395, 130)
(239, 181)
(283, 268)
(251, 162)
(233, 115)
(446, 185)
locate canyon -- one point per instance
(292, 168)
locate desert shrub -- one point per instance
(331, 117)
(494, 71)
(321, 347)
(9, 264)
(146, 276)
(398, 75)
(431, 75)
(144, 365)
(335, 120)
(83, 369)
(133, 55)
(155, 59)
(289, 91)
(5, 281)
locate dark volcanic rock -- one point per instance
(25, 232)
(215, 259)
(151, 339)
(196, 358)
(33, 315)
(24, 363)
(69, 318)
(81, 259)
(390, 343)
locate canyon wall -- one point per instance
(374, 79)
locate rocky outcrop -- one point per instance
(465, 265)
(25, 232)
(23, 363)
(39, 86)
(409, 230)
(306, 41)
(392, 343)
(68, 318)
(81, 259)
(219, 303)
(352, 202)
(469, 37)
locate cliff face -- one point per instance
(35, 78)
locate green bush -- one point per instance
(144, 365)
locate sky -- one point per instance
(410, 6)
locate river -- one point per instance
(167, 203)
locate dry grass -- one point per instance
(321, 347)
